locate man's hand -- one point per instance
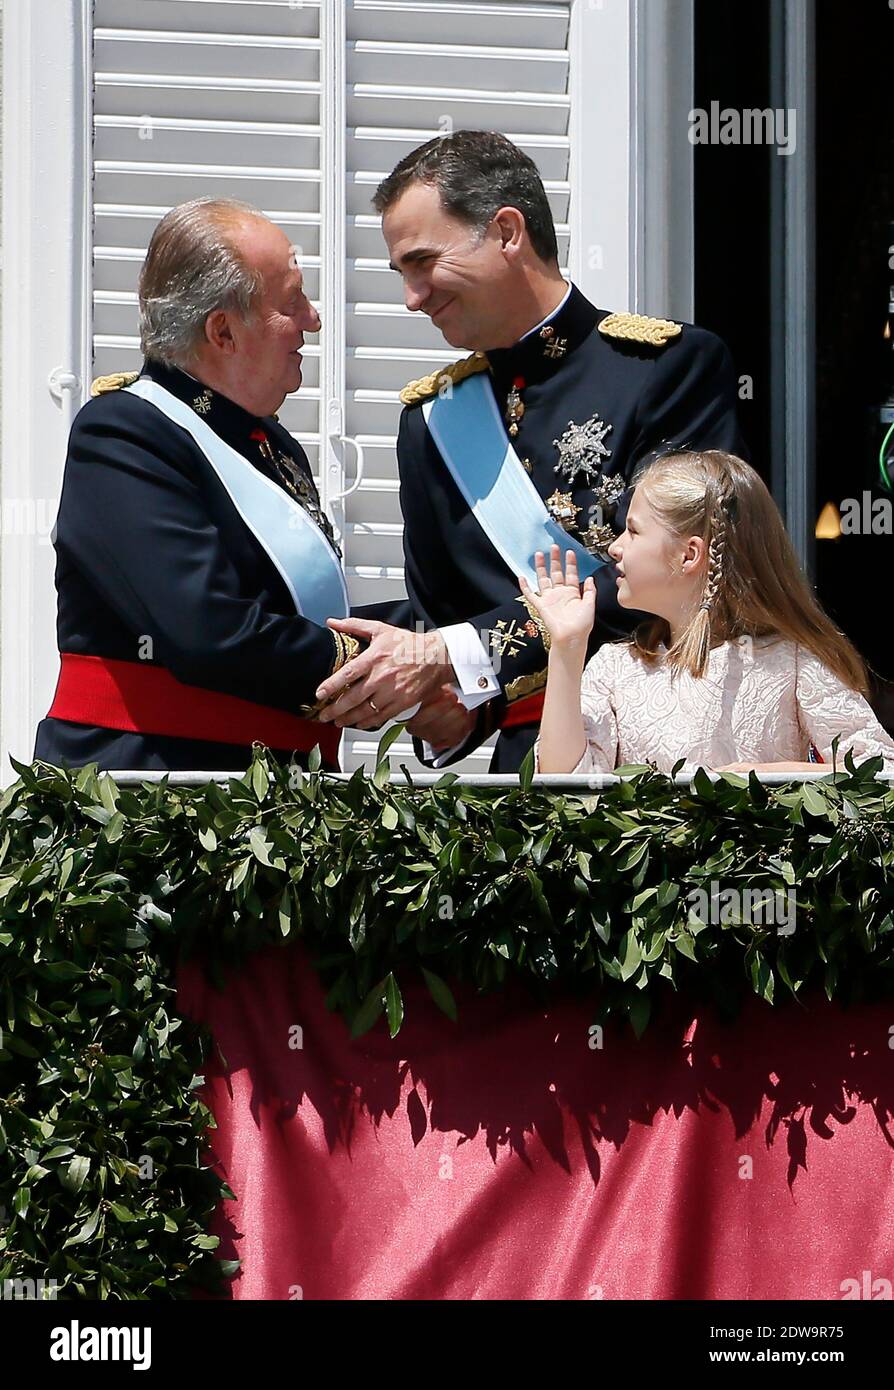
(444, 721)
(398, 669)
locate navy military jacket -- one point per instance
(654, 396)
(150, 545)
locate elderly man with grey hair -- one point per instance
(196, 569)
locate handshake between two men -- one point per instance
(399, 673)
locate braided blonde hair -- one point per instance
(754, 585)
(695, 646)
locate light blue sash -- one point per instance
(471, 437)
(291, 538)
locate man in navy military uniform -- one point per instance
(583, 397)
(195, 569)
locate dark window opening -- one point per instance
(853, 245)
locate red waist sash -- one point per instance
(526, 711)
(143, 699)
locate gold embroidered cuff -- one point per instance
(346, 648)
(525, 685)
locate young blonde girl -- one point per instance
(739, 668)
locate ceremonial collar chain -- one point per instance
(298, 483)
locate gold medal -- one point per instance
(562, 509)
(515, 406)
(597, 539)
(609, 491)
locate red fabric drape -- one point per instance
(505, 1157)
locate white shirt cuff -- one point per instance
(476, 680)
(438, 760)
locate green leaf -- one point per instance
(208, 839)
(541, 849)
(114, 828)
(762, 977)
(814, 801)
(702, 784)
(260, 782)
(390, 736)
(538, 894)
(62, 970)
(633, 855)
(394, 1005)
(87, 1230)
(19, 1046)
(356, 917)
(686, 945)
(260, 845)
(631, 954)
(640, 1009)
(58, 1151)
(440, 992)
(76, 1173)
(108, 793)
(240, 873)
(369, 1010)
(667, 894)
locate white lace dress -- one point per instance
(762, 700)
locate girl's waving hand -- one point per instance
(567, 610)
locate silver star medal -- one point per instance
(581, 449)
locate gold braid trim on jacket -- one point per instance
(427, 386)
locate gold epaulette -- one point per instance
(115, 382)
(456, 372)
(638, 328)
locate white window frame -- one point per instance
(46, 331)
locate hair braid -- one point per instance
(716, 549)
(692, 650)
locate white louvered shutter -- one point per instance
(416, 68)
(194, 98)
